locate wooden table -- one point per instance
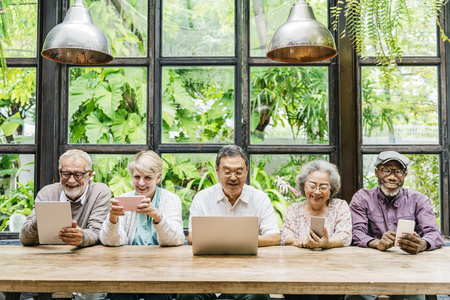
(275, 270)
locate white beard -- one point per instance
(74, 193)
(390, 194)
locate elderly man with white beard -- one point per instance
(89, 202)
(375, 212)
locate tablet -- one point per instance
(404, 226)
(51, 217)
(129, 203)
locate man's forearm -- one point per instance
(269, 240)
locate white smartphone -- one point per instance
(317, 224)
(404, 226)
(129, 203)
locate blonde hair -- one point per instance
(76, 154)
(146, 162)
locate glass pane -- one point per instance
(423, 176)
(18, 106)
(125, 24)
(275, 176)
(289, 105)
(186, 175)
(16, 190)
(403, 111)
(267, 15)
(198, 28)
(21, 25)
(198, 105)
(108, 106)
(417, 32)
(111, 169)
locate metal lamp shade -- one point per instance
(302, 38)
(77, 40)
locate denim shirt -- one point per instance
(373, 215)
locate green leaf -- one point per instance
(182, 97)
(80, 91)
(11, 124)
(95, 128)
(138, 129)
(120, 125)
(109, 97)
(169, 113)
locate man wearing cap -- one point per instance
(375, 212)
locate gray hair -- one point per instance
(146, 162)
(231, 150)
(319, 165)
(74, 155)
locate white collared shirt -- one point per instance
(63, 196)
(252, 202)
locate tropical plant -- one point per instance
(107, 105)
(296, 97)
(17, 105)
(377, 27)
(19, 200)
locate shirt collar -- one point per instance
(82, 199)
(244, 197)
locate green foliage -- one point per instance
(19, 200)
(197, 108)
(5, 35)
(107, 105)
(378, 26)
(290, 96)
(186, 176)
(112, 170)
(17, 104)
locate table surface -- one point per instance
(275, 270)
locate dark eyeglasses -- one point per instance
(76, 175)
(397, 172)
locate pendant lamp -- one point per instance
(302, 38)
(77, 41)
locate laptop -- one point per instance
(225, 235)
(51, 217)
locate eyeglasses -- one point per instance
(397, 172)
(76, 175)
(322, 188)
(239, 173)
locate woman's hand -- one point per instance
(301, 242)
(115, 211)
(146, 207)
(316, 242)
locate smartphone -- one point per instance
(129, 203)
(404, 226)
(317, 224)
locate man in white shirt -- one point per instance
(232, 197)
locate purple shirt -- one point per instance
(373, 215)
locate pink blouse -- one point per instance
(338, 221)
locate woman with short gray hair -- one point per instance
(318, 182)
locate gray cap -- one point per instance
(386, 156)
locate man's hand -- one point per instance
(386, 242)
(412, 243)
(72, 236)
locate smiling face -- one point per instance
(318, 189)
(232, 173)
(390, 184)
(145, 185)
(74, 188)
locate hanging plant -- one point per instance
(376, 26)
(5, 24)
